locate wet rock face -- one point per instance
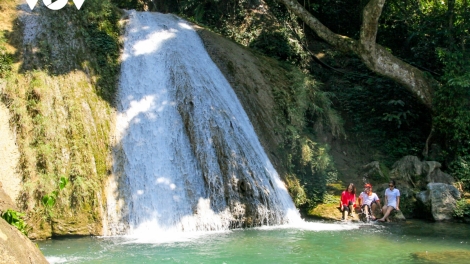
(17, 248)
(439, 200)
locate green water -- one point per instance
(409, 242)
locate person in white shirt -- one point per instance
(368, 201)
(392, 201)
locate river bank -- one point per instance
(413, 241)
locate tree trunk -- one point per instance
(374, 56)
(450, 13)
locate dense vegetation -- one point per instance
(430, 35)
(336, 93)
(60, 100)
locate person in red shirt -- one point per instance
(348, 200)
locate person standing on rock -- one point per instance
(348, 200)
(392, 201)
(368, 201)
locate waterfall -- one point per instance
(187, 157)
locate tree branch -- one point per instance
(374, 56)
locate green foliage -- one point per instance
(6, 59)
(388, 119)
(60, 103)
(303, 109)
(49, 200)
(452, 119)
(62, 183)
(330, 199)
(276, 33)
(215, 13)
(130, 4)
(275, 45)
(88, 39)
(396, 116)
(462, 209)
(341, 16)
(15, 219)
(296, 190)
(415, 29)
(100, 19)
(460, 168)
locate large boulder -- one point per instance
(407, 171)
(433, 173)
(397, 216)
(439, 200)
(16, 247)
(411, 171)
(5, 201)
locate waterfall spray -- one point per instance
(187, 157)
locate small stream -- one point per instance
(312, 242)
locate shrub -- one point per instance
(274, 44)
(462, 209)
(303, 108)
(6, 59)
(14, 218)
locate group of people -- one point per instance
(369, 200)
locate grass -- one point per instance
(326, 211)
(7, 14)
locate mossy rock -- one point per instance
(330, 212)
(326, 211)
(442, 257)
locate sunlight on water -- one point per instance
(151, 44)
(314, 226)
(63, 259)
(314, 242)
(171, 237)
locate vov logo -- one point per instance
(55, 5)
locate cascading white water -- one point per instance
(188, 158)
